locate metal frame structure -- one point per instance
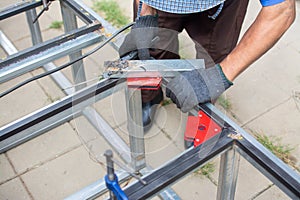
(78, 103)
(232, 142)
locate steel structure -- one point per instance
(230, 144)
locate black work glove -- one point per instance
(191, 88)
(140, 37)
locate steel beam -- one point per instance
(229, 166)
(80, 11)
(70, 24)
(267, 163)
(35, 30)
(34, 57)
(62, 110)
(135, 128)
(92, 116)
(107, 27)
(18, 8)
(178, 168)
(6, 44)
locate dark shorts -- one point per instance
(214, 38)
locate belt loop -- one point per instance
(214, 16)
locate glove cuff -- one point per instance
(225, 79)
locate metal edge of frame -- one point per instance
(178, 168)
(261, 158)
(21, 55)
(18, 8)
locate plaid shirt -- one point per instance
(192, 6)
(183, 6)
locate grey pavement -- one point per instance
(265, 99)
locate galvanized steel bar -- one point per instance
(36, 35)
(41, 54)
(228, 173)
(70, 24)
(63, 110)
(18, 8)
(135, 128)
(80, 11)
(6, 44)
(282, 175)
(177, 168)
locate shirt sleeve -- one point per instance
(270, 2)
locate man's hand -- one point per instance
(198, 86)
(140, 37)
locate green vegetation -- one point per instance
(111, 11)
(224, 102)
(56, 25)
(206, 170)
(166, 102)
(274, 145)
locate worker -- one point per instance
(214, 26)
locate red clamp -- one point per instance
(199, 129)
(144, 80)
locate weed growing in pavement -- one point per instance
(224, 102)
(206, 170)
(274, 145)
(111, 11)
(166, 102)
(56, 25)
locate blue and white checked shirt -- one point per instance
(183, 6)
(192, 6)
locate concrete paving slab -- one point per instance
(14, 189)
(6, 170)
(194, 187)
(155, 147)
(282, 68)
(250, 181)
(172, 122)
(22, 101)
(41, 149)
(13, 32)
(49, 86)
(113, 108)
(90, 138)
(63, 176)
(253, 94)
(23, 43)
(281, 122)
(272, 193)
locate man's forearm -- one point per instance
(146, 9)
(269, 26)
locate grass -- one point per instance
(166, 102)
(56, 25)
(274, 145)
(224, 102)
(206, 170)
(112, 12)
